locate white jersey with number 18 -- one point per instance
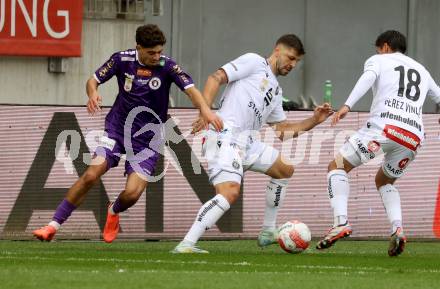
(399, 91)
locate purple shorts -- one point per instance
(140, 158)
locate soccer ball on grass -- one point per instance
(294, 237)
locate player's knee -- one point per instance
(132, 195)
(287, 172)
(332, 166)
(381, 181)
(231, 192)
(89, 178)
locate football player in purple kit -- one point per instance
(133, 126)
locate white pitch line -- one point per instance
(364, 270)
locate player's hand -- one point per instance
(209, 117)
(94, 104)
(340, 114)
(322, 112)
(198, 125)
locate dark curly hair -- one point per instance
(149, 36)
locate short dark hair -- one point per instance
(149, 36)
(291, 40)
(395, 39)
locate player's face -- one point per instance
(150, 56)
(288, 58)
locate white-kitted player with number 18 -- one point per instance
(251, 98)
(395, 128)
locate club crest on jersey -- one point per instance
(235, 164)
(128, 82)
(264, 84)
(155, 83)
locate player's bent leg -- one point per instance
(208, 215)
(338, 192)
(74, 198)
(280, 172)
(134, 188)
(391, 201)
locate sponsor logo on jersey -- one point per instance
(128, 52)
(256, 111)
(403, 163)
(394, 170)
(142, 81)
(126, 58)
(184, 78)
(404, 120)
(155, 83)
(364, 150)
(177, 69)
(373, 146)
(402, 136)
(106, 67)
(143, 72)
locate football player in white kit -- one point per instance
(394, 128)
(251, 98)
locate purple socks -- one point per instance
(118, 206)
(63, 212)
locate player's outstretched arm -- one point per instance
(210, 91)
(213, 84)
(206, 114)
(286, 129)
(95, 100)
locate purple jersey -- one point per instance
(140, 85)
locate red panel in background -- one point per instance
(40, 27)
(436, 223)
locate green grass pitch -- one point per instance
(230, 264)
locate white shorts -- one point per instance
(398, 146)
(227, 160)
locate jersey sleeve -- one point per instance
(241, 67)
(372, 64)
(364, 83)
(108, 69)
(434, 90)
(182, 79)
(277, 114)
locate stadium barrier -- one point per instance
(45, 148)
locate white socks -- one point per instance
(55, 225)
(338, 191)
(275, 192)
(208, 215)
(391, 201)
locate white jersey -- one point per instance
(252, 97)
(399, 91)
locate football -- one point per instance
(294, 237)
